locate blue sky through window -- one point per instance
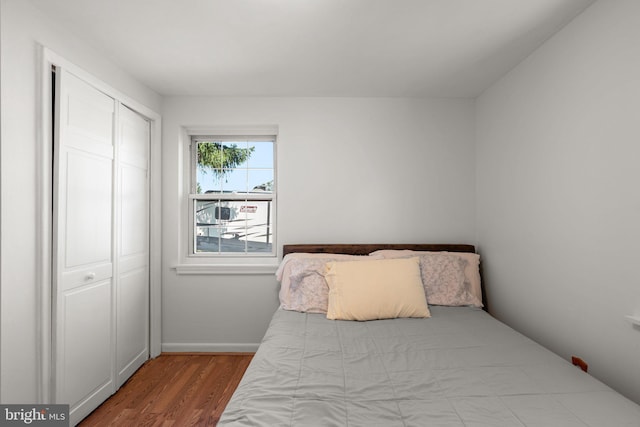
(256, 171)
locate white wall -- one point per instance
(349, 170)
(23, 29)
(557, 207)
(558, 143)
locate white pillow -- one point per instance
(377, 289)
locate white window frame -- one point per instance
(233, 262)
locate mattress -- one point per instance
(461, 367)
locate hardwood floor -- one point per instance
(174, 390)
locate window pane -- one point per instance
(207, 182)
(207, 239)
(208, 167)
(261, 154)
(229, 226)
(208, 220)
(235, 154)
(260, 180)
(234, 181)
(259, 239)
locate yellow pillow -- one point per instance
(378, 289)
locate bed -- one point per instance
(451, 365)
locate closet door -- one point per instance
(84, 316)
(132, 219)
(101, 244)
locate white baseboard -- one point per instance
(169, 347)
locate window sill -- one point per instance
(226, 269)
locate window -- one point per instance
(232, 195)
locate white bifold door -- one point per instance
(100, 244)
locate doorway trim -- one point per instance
(44, 226)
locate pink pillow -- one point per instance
(450, 278)
(302, 283)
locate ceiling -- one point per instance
(404, 48)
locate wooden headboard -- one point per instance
(367, 248)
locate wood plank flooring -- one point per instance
(174, 390)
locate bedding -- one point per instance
(459, 367)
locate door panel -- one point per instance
(134, 138)
(132, 282)
(89, 117)
(132, 322)
(87, 314)
(83, 251)
(133, 233)
(88, 188)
